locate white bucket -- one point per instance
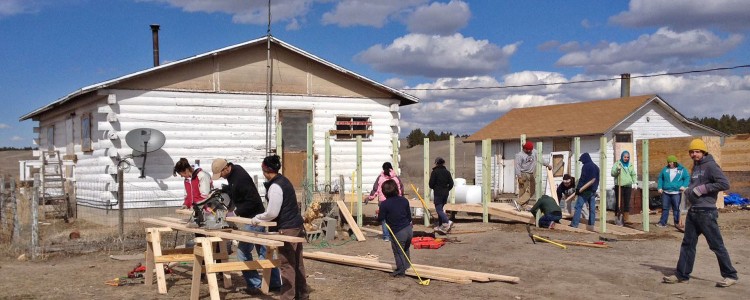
(470, 194)
(418, 212)
(459, 181)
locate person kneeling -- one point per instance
(550, 209)
(395, 212)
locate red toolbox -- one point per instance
(427, 243)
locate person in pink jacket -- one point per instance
(377, 189)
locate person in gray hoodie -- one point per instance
(706, 181)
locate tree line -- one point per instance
(727, 124)
(416, 137)
(16, 148)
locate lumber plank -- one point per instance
(243, 265)
(376, 265)
(270, 236)
(220, 234)
(490, 276)
(352, 224)
(238, 220)
(371, 230)
(551, 184)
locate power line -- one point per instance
(576, 82)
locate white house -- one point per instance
(623, 121)
(212, 106)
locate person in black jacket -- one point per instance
(395, 212)
(441, 182)
(244, 194)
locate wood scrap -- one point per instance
(349, 220)
(370, 230)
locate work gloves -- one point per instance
(700, 190)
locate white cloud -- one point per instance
(439, 18)
(16, 138)
(245, 12)
(585, 23)
(466, 111)
(367, 12)
(438, 56)
(395, 83)
(731, 15)
(665, 49)
(4, 126)
(15, 7)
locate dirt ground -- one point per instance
(630, 269)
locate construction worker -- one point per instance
(395, 212)
(673, 180)
(524, 170)
(586, 191)
(624, 173)
(550, 209)
(706, 181)
(283, 209)
(441, 183)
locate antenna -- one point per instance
(143, 141)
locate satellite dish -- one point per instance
(143, 141)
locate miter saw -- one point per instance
(211, 213)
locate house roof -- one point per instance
(588, 118)
(405, 98)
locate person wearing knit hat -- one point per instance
(673, 179)
(283, 209)
(701, 194)
(525, 166)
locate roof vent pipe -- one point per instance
(625, 85)
(155, 38)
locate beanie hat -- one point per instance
(698, 144)
(528, 145)
(271, 164)
(671, 159)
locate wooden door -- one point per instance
(294, 144)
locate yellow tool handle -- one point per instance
(420, 198)
(548, 241)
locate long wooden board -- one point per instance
(238, 220)
(551, 184)
(216, 233)
(270, 236)
(352, 224)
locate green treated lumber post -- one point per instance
(486, 178)
(452, 146)
(327, 189)
(310, 184)
(358, 196)
(523, 139)
(644, 187)
(395, 155)
(538, 191)
(515, 182)
(603, 183)
(577, 153)
(279, 143)
(426, 180)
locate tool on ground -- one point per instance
(606, 239)
(536, 237)
(121, 281)
(393, 236)
(211, 213)
(424, 204)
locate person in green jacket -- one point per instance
(673, 179)
(624, 173)
(550, 209)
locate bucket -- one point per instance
(418, 212)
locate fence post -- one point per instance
(2, 203)
(121, 203)
(35, 217)
(426, 180)
(358, 196)
(16, 221)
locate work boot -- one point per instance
(590, 227)
(673, 279)
(727, 282)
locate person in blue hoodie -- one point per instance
(673, 179)
(586, 191)
(706, 181)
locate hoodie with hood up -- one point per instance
(589, 171)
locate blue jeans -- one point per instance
(591, 200)
(670, 201)
(703, 222)
(244, 253)
(440, 202)
(403, 237)
(550, 218)
(386, 234)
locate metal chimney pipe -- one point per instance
(155, 38)
(625, 85)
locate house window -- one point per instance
(86, 132)
(561, 144)
(625, 137)
(51, 138)
(349, 127)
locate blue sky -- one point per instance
(50, 48)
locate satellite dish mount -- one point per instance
(143, 141)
